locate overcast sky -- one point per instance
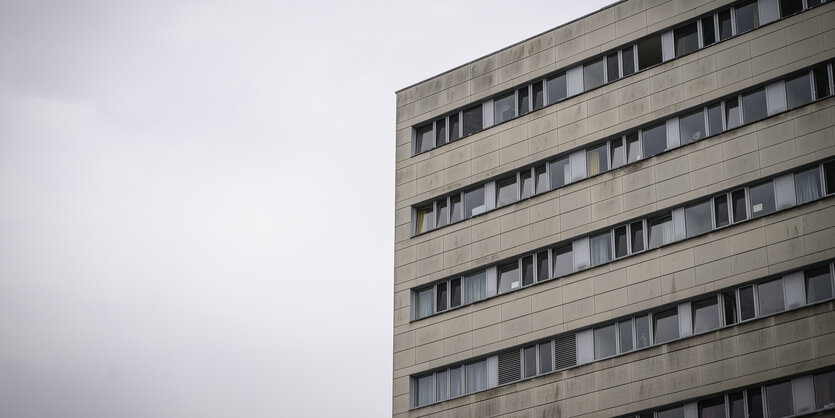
(196, 198)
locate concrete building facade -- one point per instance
(629, 215)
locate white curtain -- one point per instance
(600, 249)
(807, 186)
(476, 376)
(475, 287)
(425, 303)
(441, 385)
(425, 389)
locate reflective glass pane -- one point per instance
(474, 202)
(821, 81)
(636, 229)
(818, 284)
(455, 382)
(527, 183)
(509, 277)
(455, 292)
(829, 176)
(443, 213)
(625, 336)
(504, 108)
(697, 219)
(665, 325)
(506, 191)
(457, 212)
(542, 271)
(545, 363)
(705, 315)
(423, 138)
(475, 287)
(621, 246)
(729, 301)
(739, 211)
(649, 52)
(762, 199)
(597, 161)
(747, 17)
(754, 106)
(440, 303)
(677, 412)
(736, 405)
(692, 127)
(655, 140)
(720, 210)
(612, 67)
(798, 91)
(425, 390)
(473, 121)
(790, 7)
(524, 104)
(423, 301)
(541, 179)
(661, 231)
(424, 219)
(559, 172)
(440, 131)
(604, 342)
(454, 127)
(712, 408)
(825, 390)
(628, 59)
(538, 95)
(779, 399)
(601, 249)
(527, 270)
(530, 361)
(746, 303)
(476, 376)
(732, 117)
(557, 89)
(593, 75)
(708, 31)
(807, 185)
(686, 39)
(633, 148)
(442, 385)
(642, 336)
(770, 296)
(563, 261)
(755, 403)
(714, 118)
(725, 28)
(618, 153)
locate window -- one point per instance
(541, 176)
(762, 199)
(621, 246)
(604, 342)
(474, 202)
(476, 376)
(601, 249)
(677, 412)
(527, 270)
(563, 260)
(637, 231)
(560, 170)
(825, 390)
(807, 185)
(655, 140)
(818, 285)
(612, 67)
(455, 292)
(527, 184)
(524, 102)
(720, 209)
(642, 335)
(708, 31)
(457, 209)
(504, 108)
(725, 27)
(755, 403)
(732, 117)
(740, 210)
(697, 219)
(557, 89)
(542, 271)
(508, 277)
(423, 139)
(423, 303)
(442, 295)
(736, 405)
(649, 52)
(425, 390)
(443, 213)
(687, 39)
(597, 162)
(454, 127)
(455, 380)
(821, 81)
(754, 106)
(729, 302)
(665, 325)
(829, 176)
(625, 335)
(661, 231)
(530, 361)
(475, 287)
(628, 60)
(442, 385)
(798, 91)
(545, 363)
(712, 408)
(506, 191)
(746, 17)
(771, 297)
(692, 127)
(593, 75)
(779, 399)
(473, 121)
(424, 219)
(705, 315)
(618, 153)
(790, 7)
(633, 148)
(538, 95)
(746, 303)
(714, 119)
(440, 132)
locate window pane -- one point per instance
(637, 231)
(712, 408)
(697, 219)
(527, 270)
(473, 121)
(660, 231)
(725, 28)
(665, 325)
(720, 209)
(807, 185)
(755, 403)
(705, 315)
(618, 153)
(714, 118)
(739, 209)
(563, 261)
(455, 381)
(818, 285)
(732, 117)
(474, 202)
(424, 303)
(829, 176)
(692, 127)
(625, 336)
(475, 287)
(423, 138)
(424, 220)
(821, 81)
(440, 303)
(524, 100)
(597, 162)
(508, 277)
(649, 52)
(746, 303)
(545, 351)
(506, 191)
(754, 106)
(527, 183)
(621, 248)
(770, 296)
(559, 173)
(612, 67)
(687, 39)
(779, 399)
(556, 88)
(762, 199)
(655, 140)
(504, 108)
(746, 17)
(425, 389)
(441, 385)
(798, 91)
(677, 412)
(593, 75)
(454, 127)
(601, 249)
(530, 361)
(729, 300)
(457, 209)
(825, 390)
(642, 337)
(440, 131)
(443, 213)
(455, 285)
(604, 342)
(813, 3)
(538, 96)
(542, 271)
(628, 58)
(541, 179)
(790, 7)
(736, 405)
(476, 377)
(708, 31)
(633, 148)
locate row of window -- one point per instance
(629, 238)
(626, 60)
(797, 90)
(693, 317)
(796, 396)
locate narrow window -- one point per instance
(593, 75)
(454, 127)
(687, 39)
(530, 361)
(813, 3)
(807, 185)
(825, 390)
(424, 219)
(474, 202)
(692, 127)
(604, 342)
(746, 303)
(732, 114)
(476, 376)
(457, 212)
(655, 140)
(705, 315)
(423, 138)
(425, 390)
(526, 184)
(725, 27)
(509, 277)
(424, 303)
(642, 336)
(597, 162)
(455, 382)
(779, 399)
(714, 118)
(443, 213)
(770, 295)
(739, 208)
(440, 303)
(440, 131)
(754, 106)
(601, 249)
(818, 284)
(712, 408)
(625, 336)
(755, 403)
(475, 287)
(557, 89)
(633, 148)
(545, 363)
(829, 176)
(621, 248)
(542, 273)
(612, 67)
(506, 191)
(527, 270)
(649, 52)
(618, 153)
(665, 325)
(798, 91)
(821, 81)
(563, 260)
(455, 292)
(677, 412)
(559, 172)
(708, 31)
(697, 219)
(473, 120)
(720, 209)
(747, 17)
(538, 95)
(790, 7)
(628, 59)
(729, 300)
(541, 179)
(762, 199)
(661, 231)
(736, 405)
(504, 108)
(637, 231)
(442, 385)
(524, 101)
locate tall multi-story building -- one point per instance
(629, 215)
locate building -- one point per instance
(631, 214)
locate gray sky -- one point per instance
(196, 198)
